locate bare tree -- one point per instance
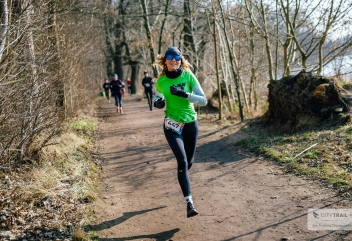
(259, 22)
(232, 60)
(143, 4)
(162, 27)
(41, 58)
(189, 46)
(216, 60)
(4, 13)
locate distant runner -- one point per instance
(117, 86)
(180, 89)
(106, 87)
(147, 82)
(129, 82)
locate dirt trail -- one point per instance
(238, 197)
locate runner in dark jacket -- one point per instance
(117, 86)
(106, 87)
(147, 82)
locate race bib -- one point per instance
(175, 126)
(147, 85)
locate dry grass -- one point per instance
(65, 168)
(57, 188)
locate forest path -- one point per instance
(238, 197)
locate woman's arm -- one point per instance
(197, 97)
(158, 95)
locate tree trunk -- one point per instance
(253, 92)
(217, 69)
(226, 72)
(134, 75)
(118, 61)
(54, 48)
(237, 61)
(267, 43)
(232, 64)
(189, 50)
(119, 33)
(143, 5)
(163, 25)
(108, 22)
(262, 30)
(4, 16)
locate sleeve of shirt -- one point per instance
(158, 95)
(197, 97)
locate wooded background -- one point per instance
(55, 54)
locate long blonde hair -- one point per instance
(161, 62)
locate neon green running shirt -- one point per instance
(178, 108)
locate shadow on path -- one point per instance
(119, 220)
(162, 236)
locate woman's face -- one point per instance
(172, 65)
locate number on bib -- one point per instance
(174, 125)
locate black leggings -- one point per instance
(184, 147)
(149, 94)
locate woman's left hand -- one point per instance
(175, 90)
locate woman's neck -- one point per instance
(173, 74)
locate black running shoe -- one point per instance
(191, 210)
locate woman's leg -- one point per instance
(184, 146)
(190, 137)
(148, 94)
(150, 99)
(176, 143)
(118, 100)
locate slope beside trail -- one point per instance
(239, 197)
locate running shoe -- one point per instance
(191, 210)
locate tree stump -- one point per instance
(305, 100)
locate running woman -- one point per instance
(116, 87)
(179, 89)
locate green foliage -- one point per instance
(349, 131)
(339, 182)
(261, 149)
(253, 140)
(79, 235)
(242, 142)
(307, 136)
(312, 154)
(86, 127)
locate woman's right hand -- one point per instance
(159, 103)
